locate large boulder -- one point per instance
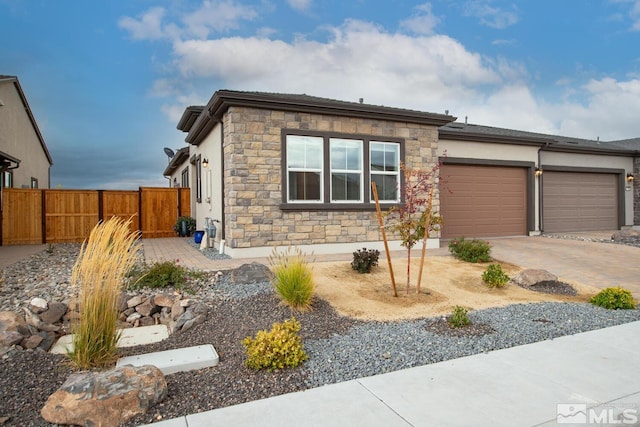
(108, 398)
(13, 322)
(251, 273)
(54, 312)
(532, 277)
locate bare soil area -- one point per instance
(446, 282)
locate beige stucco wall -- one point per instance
(211, 204)
(253, 187)
(19, 139)
(593, 161)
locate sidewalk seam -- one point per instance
(383, 402)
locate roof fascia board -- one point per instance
(500, 139)
(589, 150)
(222, 100)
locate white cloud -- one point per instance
(422, 22)
(147, 27)
(219, 16)
(300, 5)
(490, 16)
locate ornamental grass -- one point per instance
(97, 279)
(292, 278)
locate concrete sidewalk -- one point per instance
(571, 380)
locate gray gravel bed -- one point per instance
(210, 253)
(339, 348)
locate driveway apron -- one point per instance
(596, 264)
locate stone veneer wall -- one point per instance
(636, 191)
(252, 178)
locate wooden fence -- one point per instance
(55, 216)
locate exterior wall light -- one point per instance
(538, 171)
(205, 162)
(630, 177)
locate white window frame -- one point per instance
(386, 173)
(290, 139)
(360, 171)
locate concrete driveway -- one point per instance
(592, 263)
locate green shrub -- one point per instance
(364, 260)
(166, 274)
(459, 317)
(614, 298)
(97, 279)
(292, 278)
(470, 250)
(277, 349)
(494, 277)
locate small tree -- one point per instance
(414, 219)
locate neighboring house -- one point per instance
(502, 182)
(633, 144)
(177, 170)
(297, 170)
(25, 161)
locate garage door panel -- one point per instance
(483, 201)
(579, 201)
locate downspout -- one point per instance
(222, 220)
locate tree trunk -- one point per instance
(408, 268)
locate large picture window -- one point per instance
(338, 169)
(304, 168)
(385, 170)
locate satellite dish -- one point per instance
(169, 152)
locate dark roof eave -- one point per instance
(222, 100)
(189, 117)
(176, 161)
(483, 137)
(562, 148)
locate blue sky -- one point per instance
(108, 80)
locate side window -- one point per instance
(8, 179)
(199, 179)
(185, 177)
(304, 168)
(34, 182)
(385, 170)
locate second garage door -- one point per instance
(483, 201)
(578, 201)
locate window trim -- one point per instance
(367, 204)
(196, 161)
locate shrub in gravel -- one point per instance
(614, 299)
(277, 349)
(494, 277)
(292, 278)
(98, 276)
(364, 260)
(166, 274)
(470, 250)
(459, 317)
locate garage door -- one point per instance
(483, 201)
(577, 201)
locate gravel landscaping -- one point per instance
(339, 348)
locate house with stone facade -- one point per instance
(281, 169)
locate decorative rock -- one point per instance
(54, 313)
(32, 342)
(146, 321)
(133, 317)
(122, 301)
(35, 321)
(137, 300)
(48, 338)
(147, 308)
(531, 277)
(163, 300)
(38, 305)
(177, 310)
(251, 273)
(13, 322)
(107, 398)
(9, 338)
(193, 322)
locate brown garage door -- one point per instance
(483, 201)
(577, 201)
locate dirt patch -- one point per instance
(446, 282)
